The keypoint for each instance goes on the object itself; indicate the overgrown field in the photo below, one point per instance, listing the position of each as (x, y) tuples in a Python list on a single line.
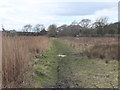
[(95, 47), (34, 62), (72, 71), (17, 55)]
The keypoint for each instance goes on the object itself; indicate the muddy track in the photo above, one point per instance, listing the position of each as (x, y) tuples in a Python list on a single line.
[(65, 75), (60, 82)]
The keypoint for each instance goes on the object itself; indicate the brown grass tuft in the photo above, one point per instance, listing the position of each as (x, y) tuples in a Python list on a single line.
[(17, 53), (95, 47)]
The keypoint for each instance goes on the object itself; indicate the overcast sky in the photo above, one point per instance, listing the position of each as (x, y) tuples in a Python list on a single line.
[(14, 14)]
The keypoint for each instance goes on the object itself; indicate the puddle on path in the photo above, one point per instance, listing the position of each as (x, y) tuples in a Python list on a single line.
[(71, 54), (62, 55)]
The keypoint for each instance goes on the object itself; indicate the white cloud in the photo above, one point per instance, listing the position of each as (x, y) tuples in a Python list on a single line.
[(111, 13), (16, 13), (23, 12)]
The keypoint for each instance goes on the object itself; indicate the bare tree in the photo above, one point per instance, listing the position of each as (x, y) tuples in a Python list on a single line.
[(27, 28), (100, 24), (39, 27), (85, 23)]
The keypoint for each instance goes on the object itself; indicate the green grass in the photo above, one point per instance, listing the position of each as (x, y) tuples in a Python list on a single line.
[(47, 65), (92, 73), (74, 71)]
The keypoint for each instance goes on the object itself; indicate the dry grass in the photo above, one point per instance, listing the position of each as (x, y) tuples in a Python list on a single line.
[(95, 47), (17, 54)]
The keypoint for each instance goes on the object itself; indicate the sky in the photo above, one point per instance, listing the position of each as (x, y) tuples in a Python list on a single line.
[(14, 14)]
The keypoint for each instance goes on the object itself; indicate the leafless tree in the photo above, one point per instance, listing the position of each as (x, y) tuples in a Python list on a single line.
[(100, 24), (38, 27), (85, 23), (27, 28)]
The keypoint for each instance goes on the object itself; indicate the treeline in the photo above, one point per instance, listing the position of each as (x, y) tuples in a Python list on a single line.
[(85, 28)]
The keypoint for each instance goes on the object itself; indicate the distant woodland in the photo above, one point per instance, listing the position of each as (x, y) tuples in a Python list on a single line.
[(84, 28)]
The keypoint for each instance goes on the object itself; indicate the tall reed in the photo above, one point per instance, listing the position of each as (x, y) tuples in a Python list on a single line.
[(17, 52)]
